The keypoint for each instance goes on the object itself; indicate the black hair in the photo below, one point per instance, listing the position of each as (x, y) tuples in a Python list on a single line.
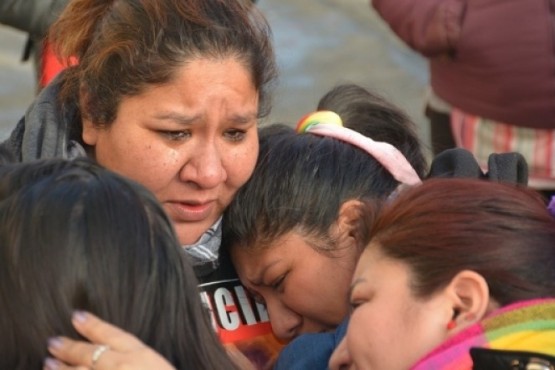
[(74, 236), (301, 180)]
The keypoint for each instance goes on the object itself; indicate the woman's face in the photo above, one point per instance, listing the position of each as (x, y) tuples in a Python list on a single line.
[(193, 141), (389, 327), (304, 291)]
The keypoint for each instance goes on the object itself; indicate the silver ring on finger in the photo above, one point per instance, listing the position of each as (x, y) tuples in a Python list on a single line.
[(97, 353)]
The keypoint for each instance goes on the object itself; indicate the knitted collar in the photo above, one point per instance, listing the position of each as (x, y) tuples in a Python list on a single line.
[(204, 253), (523, 326)]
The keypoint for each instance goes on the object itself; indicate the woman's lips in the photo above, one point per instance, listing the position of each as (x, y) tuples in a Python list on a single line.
[(189, 212)]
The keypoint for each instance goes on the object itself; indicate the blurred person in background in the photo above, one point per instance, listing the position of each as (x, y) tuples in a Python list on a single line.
[(35, 17), (492, 69)]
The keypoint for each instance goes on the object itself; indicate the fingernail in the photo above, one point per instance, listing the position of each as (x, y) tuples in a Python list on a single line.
[(79, 316), (54, 343), (51, 364)]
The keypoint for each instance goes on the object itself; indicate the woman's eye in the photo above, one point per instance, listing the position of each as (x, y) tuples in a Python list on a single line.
[(278, 283), (235, 135), (176, 135), (354, 305), (258, 298)]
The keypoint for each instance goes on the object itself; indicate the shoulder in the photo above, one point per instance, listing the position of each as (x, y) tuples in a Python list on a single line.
[(307, 351), (311, 350)]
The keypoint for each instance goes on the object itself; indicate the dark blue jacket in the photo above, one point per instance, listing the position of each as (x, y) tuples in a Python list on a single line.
[(311, 351)]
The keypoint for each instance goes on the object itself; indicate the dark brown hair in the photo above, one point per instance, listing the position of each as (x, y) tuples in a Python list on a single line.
[(301, 180), (500, 231), (123, 46), (75, 236)]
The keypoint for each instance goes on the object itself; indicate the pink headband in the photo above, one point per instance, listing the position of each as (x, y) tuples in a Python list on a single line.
[(328, 123)]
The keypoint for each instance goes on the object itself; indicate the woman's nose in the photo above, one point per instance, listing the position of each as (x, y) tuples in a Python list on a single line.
[(286, 324), (340, 358), (205, 167)]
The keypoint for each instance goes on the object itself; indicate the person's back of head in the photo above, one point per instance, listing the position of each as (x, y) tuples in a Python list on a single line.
[(372, 115), (444, 226), (301, 180), (75, 236)]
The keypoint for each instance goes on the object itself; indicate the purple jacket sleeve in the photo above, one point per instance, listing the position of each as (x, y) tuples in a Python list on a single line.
[(430, 27)]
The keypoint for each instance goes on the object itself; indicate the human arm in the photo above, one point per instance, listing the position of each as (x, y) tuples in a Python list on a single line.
[(125, 351), (32, 16), (430, 27)]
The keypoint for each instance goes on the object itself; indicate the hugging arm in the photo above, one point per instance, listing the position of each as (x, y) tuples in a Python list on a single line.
[(124, 351)]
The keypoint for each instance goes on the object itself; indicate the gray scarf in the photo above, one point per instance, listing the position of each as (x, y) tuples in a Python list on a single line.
[(203, 255)]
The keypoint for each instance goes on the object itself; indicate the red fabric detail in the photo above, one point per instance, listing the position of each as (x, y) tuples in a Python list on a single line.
[(50, 65)]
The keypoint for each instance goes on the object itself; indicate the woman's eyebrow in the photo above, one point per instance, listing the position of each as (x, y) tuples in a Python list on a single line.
[(259, 279), (243, 119), (179, 118), (183, 119)]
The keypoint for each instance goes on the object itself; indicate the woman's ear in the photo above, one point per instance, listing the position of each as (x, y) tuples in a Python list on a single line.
[(349, 220), (470, 299), (90, 131)]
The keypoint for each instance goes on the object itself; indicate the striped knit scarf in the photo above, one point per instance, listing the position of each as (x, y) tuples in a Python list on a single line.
[(204, 253), (524, 326)]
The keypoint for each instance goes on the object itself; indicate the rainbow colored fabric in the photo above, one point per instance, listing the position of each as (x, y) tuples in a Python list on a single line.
[(524, 326)]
